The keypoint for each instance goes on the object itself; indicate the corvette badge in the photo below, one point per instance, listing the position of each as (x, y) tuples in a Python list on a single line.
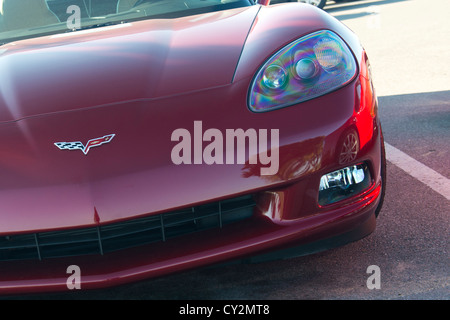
[(77, 145)]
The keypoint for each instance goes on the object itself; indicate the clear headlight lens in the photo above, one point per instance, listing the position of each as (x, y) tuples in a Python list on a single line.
[(274, 77), (305, 69)]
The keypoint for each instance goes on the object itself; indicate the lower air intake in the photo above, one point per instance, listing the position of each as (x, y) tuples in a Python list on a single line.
[(127, 234)]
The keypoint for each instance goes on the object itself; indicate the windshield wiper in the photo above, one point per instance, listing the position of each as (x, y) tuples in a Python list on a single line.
[(97, 25)]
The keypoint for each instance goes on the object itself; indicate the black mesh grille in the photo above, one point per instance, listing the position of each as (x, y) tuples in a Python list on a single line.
[(127, 234)]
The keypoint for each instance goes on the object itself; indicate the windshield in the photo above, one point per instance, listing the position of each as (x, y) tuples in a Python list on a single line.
[(22, 19)]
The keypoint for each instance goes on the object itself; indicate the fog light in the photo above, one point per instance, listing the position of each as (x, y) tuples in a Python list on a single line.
[(343, 183)]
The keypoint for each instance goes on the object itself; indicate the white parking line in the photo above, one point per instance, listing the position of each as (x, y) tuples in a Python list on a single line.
[(421, 172)]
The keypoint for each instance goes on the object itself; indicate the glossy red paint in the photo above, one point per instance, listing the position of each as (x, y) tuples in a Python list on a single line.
[(263, 2), (140, 82)]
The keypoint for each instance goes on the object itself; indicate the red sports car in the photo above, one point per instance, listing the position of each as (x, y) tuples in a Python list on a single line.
[(144, 137)]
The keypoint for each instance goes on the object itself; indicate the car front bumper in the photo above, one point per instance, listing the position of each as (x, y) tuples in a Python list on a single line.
[(286, 214)]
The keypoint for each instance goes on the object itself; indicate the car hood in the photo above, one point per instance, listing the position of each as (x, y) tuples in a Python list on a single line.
[(141, 82), (146, 59), (134, 80)]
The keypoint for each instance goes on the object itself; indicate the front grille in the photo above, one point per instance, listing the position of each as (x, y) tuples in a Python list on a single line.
[(127, 234)]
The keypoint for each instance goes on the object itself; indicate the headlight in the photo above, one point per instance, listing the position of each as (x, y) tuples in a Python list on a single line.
[(305, 69)]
